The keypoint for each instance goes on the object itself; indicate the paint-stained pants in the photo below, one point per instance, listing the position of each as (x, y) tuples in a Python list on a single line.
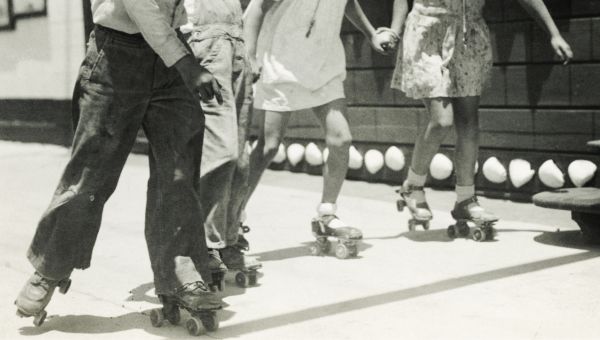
[(225, 159), (122, 86)]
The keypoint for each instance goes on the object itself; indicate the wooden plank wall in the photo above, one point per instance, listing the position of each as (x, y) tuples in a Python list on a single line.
[(535, 108)]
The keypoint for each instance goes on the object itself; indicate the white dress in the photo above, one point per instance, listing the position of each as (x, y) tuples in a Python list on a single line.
[(301, 55)]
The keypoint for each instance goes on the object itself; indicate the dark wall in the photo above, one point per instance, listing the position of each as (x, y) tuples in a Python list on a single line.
[(535, 108)]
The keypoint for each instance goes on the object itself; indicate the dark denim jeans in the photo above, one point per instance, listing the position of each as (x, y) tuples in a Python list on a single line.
[(123, 85), (225, 159)]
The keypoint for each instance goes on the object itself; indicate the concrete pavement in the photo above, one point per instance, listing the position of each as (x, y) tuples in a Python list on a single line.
[(531, 283)]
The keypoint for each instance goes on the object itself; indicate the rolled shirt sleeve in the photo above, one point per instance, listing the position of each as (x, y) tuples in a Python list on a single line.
[(156, 30)]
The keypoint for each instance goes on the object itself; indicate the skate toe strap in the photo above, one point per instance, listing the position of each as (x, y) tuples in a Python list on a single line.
[(348, 232)]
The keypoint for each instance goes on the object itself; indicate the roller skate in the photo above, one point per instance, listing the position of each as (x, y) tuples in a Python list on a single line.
[(326, 225), (198, 300), (36, 294), (243, 268), (217, 269), (470, 211), (413, 198)]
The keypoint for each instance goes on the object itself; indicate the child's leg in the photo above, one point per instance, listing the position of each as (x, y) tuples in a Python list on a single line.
[(338, 139), (272, 131), (467, 138), (429, 139), (467, 149), (427, 145)]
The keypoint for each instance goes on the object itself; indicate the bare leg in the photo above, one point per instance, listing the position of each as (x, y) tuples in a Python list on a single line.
[(272, 131), (431, 137), (467, 149), (467, 138), (338, 139)]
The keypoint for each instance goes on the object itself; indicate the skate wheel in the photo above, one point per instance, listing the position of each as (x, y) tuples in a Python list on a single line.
[(39, 319), (412, 224), (252, 279), (64, 286), (491, 233), (426, 225), (463, 229), (174, 316), (479, 235), (241, 280), (194, 326), (210, 322), (315, 251), (400, 204), (451, 231), (324, 244), (341, 251), (353, 251), (157, 317)]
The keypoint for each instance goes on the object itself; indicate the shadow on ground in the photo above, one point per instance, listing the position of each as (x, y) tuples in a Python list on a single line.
[(94, 324), (301, 251)]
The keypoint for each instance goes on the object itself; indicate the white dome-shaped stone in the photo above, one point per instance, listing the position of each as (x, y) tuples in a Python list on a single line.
[(355, 159), (494, 171), (520, 172), (394, 158), (550, 175), (441, 167), (280, 156), (581, 171), (374, 161), (295, 153), (313, 155)]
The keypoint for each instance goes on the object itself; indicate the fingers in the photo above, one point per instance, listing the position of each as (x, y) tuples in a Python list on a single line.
[(256, 71), (565, 53), (379, 48), (205, 94), (568, 53), (216, 88)]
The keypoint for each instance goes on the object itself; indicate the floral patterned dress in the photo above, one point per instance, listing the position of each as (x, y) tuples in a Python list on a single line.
[(446, 50)]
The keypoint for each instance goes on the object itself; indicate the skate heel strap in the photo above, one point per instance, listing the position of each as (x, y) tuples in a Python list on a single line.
[(409, 189)]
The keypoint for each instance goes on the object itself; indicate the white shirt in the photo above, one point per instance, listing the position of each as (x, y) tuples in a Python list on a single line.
[(156, 20)]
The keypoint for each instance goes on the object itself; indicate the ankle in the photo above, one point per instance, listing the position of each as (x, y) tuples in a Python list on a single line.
[(464, 193), (414, 180)]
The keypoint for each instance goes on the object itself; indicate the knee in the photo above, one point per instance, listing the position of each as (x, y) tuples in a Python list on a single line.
[(442, 123), (441, 126), (339, 140), (269, 146)]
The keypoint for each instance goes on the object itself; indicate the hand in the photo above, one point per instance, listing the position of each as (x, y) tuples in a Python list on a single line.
[(254, 69), (198, 79), (562, 49), (385, 41)]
